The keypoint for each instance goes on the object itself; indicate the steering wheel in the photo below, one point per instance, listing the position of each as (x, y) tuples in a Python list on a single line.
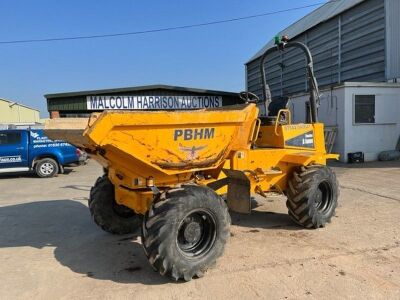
[(249, 97)]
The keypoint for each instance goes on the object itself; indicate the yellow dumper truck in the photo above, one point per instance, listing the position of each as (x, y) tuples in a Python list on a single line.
[(176, 173)]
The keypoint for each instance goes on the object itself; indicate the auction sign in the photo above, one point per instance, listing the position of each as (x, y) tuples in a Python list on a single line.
[(152, 102)]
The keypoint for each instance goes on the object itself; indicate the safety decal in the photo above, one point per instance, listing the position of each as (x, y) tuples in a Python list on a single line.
[(305, 140)]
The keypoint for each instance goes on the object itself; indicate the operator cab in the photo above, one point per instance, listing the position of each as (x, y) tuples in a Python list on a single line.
[(275, 129)]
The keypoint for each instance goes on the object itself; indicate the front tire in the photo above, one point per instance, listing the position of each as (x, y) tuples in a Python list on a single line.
[(185, 231), (107, 214), (312, 196), (46, 168)]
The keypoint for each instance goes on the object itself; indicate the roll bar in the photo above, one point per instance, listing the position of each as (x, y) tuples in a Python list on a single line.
[(281, 45)]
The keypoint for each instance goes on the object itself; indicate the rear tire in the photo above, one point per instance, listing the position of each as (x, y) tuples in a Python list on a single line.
[(107, 214), (185, 231), (312, 196), (46, 168)]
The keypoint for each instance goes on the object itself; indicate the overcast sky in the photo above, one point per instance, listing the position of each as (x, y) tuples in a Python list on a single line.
[(210, 57)]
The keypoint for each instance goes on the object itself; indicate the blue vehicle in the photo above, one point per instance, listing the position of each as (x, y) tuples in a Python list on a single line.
[(24, 150)]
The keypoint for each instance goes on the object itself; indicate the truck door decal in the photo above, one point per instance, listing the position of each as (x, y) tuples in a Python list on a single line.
[(10, 159)]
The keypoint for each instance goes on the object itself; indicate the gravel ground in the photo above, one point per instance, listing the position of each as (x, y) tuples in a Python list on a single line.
[(50, 248)]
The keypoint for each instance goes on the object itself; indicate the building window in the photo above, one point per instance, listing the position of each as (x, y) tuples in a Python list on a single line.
[(10, 138), (364, 109)]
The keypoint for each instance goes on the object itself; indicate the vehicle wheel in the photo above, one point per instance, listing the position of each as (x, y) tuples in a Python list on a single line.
[(106, 213), (185, 231), (312, 196), (46, 167)]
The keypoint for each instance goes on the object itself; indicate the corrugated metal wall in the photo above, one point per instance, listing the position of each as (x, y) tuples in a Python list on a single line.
[(348, 47), (393, 38)]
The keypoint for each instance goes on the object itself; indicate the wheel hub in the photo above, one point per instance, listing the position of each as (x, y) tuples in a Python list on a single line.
[(323, 197), (46, 168), (192, 232), (318, 197), (196, 233)]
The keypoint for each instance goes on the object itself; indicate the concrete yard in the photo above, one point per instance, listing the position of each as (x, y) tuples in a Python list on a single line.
[(51, 249)]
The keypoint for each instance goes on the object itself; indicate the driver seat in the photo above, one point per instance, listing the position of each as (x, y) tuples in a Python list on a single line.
[(274, 107)]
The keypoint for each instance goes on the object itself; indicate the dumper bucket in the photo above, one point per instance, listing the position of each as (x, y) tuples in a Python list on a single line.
[(171, 142)]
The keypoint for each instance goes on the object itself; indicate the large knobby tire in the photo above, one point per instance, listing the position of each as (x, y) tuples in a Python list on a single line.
[(107, 214), (46, 168), (185, 231), (312, 196)]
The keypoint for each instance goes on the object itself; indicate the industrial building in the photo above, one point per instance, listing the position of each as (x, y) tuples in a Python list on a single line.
[(356, 50), (151, 97), (13, 113)]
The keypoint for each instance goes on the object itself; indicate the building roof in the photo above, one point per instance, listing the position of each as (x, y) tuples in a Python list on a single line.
[(140, 88), (16, 103), (321, 14)]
